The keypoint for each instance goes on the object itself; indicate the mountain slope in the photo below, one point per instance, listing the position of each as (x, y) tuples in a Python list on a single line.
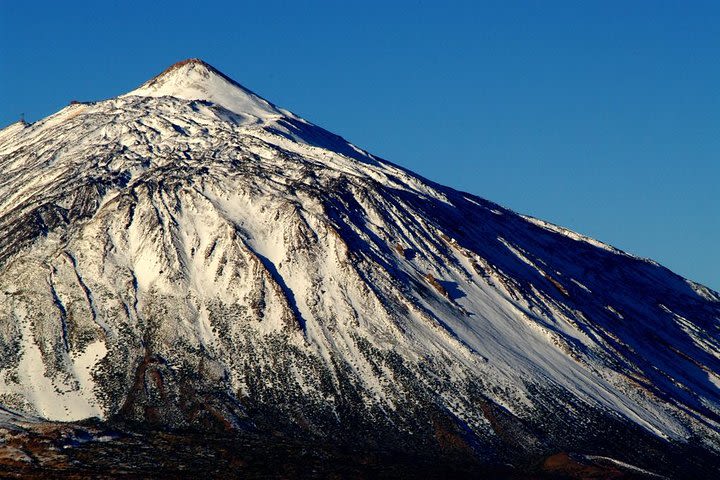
[(189, 255)]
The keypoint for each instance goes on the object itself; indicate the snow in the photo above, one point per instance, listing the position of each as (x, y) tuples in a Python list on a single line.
[(237, 231), (195, 80), (574, 235), (624, 465), (715, 379), (53, 399)]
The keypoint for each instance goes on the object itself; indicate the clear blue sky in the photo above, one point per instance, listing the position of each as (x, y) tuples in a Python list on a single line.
[(600, 116)]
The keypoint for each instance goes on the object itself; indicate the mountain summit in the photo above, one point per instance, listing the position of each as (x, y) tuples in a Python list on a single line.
[(193, 79), (190, 258)]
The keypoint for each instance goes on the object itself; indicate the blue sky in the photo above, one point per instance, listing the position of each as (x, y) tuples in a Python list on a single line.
[(600, 116)]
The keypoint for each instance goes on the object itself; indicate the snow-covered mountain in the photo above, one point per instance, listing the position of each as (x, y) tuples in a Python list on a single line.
[(188, 255)]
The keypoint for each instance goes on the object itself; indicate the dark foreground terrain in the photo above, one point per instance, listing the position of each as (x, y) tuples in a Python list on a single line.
[(55, 450)]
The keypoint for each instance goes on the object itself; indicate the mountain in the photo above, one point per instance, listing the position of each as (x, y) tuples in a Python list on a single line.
[(189, 258)]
